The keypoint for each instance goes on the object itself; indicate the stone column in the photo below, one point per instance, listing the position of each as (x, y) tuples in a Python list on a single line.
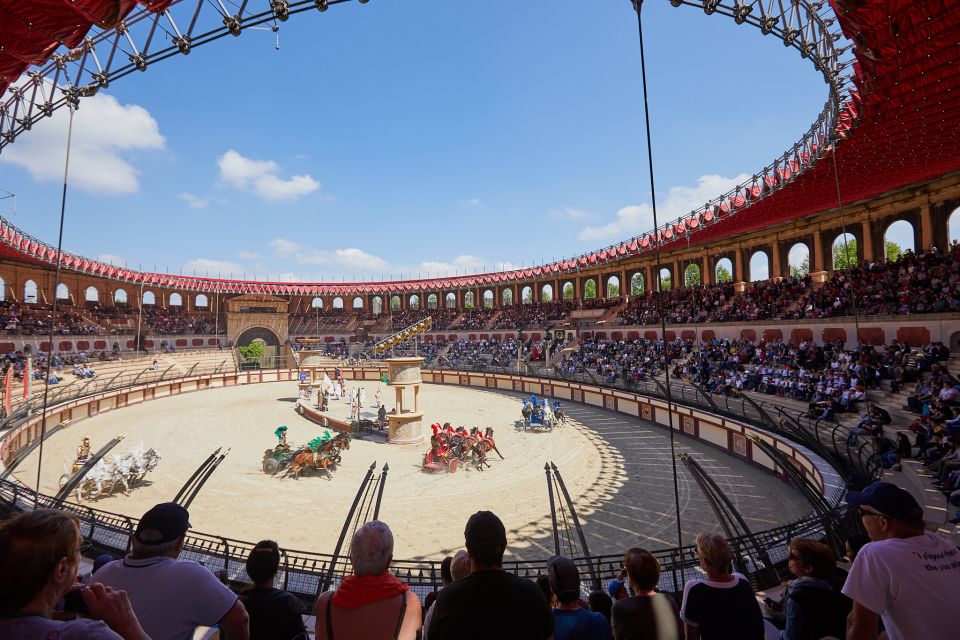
[(776, 266), (869, 253), (926, 229)]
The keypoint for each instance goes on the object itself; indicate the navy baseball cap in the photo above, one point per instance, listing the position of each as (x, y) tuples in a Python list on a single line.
[(888, 499), (163, 523)]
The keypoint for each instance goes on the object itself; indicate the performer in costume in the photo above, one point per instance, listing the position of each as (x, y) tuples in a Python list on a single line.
[(281, 434), (83, 451)]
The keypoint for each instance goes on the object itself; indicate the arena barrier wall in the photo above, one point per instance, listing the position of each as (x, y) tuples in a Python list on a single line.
[(303, 571)]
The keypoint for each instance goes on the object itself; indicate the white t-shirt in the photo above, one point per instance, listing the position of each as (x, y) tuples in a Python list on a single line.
[(171, 598), (912, 583), (40, 628)]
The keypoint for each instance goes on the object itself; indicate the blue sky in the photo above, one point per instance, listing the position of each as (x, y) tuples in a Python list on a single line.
[(434, 136)]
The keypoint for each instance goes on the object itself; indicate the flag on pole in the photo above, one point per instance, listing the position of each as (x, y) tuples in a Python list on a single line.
[(7, 384), (27, 375)]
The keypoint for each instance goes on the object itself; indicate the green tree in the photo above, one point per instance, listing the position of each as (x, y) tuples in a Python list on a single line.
[(844, 253), (637, 285), (527, 295), (546, 295), (892, 250), (691, 275), (723, 274), (802, 269), (590, 289), (613, 290), (568, 291), (666, 282), (251, 352)]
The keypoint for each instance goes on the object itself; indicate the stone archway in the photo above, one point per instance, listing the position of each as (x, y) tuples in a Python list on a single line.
[(252, 334)]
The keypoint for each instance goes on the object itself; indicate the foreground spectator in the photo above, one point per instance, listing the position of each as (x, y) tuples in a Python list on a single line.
[(172, 597), (723, 605), (274, 614), (905, 576), (490, 603), (372, 603), (814, 607), (39, 557), (648, 614), (570, 620)]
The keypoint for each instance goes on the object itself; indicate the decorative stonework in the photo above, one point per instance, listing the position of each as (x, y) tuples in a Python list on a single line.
[(405, 419)]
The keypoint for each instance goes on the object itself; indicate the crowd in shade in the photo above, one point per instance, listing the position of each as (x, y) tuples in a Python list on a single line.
[(473, 319), (535, 315), (899, 579), (174, 320), (439, 318), (36, 319)]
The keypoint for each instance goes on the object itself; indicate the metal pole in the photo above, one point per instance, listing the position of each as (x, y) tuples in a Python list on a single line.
[(328, 579), (638, 5), (553, 510), (53, 312), (576, 522), (383, 482)]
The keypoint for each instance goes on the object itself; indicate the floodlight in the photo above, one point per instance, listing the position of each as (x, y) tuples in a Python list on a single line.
[(322, 5)]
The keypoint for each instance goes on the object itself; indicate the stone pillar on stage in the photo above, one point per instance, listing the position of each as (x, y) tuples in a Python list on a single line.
[(404, 377)]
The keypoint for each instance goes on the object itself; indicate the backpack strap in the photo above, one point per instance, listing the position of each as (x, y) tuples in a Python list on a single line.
[(330, 618), (403, 611)]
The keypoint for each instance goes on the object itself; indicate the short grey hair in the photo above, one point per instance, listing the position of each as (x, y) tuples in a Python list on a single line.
[(460, 567), (141, 550), (371, 549)]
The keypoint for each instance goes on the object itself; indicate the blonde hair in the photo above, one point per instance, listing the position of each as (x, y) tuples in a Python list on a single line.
[(460, 566), (715, 551)]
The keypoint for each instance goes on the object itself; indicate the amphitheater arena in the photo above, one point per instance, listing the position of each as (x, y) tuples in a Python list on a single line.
[(169, 373)]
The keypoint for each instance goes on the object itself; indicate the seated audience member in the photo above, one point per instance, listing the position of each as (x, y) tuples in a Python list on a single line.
[(490, 603), (39, 557), (445, 580), (648, 614), (723, 604), (601, 602), (274, 614), (814, 607), (457, 568), (172, 597), (371, 603), (570, 620), (907, 577)]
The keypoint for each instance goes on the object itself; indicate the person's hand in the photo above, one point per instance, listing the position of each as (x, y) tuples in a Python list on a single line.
[(114, 608)]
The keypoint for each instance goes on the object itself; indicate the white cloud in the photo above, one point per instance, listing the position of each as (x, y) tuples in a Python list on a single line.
[(249, 255), (110, 258), (288, 276), (571, 213), (349, 258), (636, 219), (199, 202), (472, 202), (463, 264), (261, 177), (105, 133), (204, 266)]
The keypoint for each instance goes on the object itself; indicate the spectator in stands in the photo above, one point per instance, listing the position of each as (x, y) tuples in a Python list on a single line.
[(509, 606), (601, 602), (647, 614), (274, 614), (370, 603), (570, 620), (458, 568), (445, 580), (39, 558), (814, 606), (905, 576), (617, 589), (172, 597), (723, 604)]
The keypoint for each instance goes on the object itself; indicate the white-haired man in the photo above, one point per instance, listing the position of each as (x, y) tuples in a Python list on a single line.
[(371, 603)]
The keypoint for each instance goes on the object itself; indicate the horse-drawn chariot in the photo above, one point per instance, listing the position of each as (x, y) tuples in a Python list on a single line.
[(321, 453), (540, 415), (122, 472), (452, 448)]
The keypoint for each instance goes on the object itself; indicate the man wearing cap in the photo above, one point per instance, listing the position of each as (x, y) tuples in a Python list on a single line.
[(490, 603), (905, 576), (570, 620), (172, 597)]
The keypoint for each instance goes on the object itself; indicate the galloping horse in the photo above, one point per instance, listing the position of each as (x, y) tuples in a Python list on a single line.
[(484, 444), (325, 457)]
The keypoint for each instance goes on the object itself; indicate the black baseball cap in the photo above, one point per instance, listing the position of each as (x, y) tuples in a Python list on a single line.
[(485, 534), (163, 523), (888, 499), (564, 577)]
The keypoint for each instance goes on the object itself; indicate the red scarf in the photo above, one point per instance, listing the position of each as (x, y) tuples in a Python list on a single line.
[(356, 591)]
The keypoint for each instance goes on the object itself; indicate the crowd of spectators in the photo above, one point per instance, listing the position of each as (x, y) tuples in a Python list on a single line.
[(474, 319), (176, 320), (35, 319), (902, 580), (439, 318), (534, 315)]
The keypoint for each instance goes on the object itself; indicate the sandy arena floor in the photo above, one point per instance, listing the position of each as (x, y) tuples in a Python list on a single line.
[(616, 468)]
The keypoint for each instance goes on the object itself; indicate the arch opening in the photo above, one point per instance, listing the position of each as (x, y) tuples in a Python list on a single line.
[(149, 298), (506, 298), (546, 293), (63, 293), (798, 260), (488, 299), (358, 302), (176, 300), (613, 287), (692, 276), (759, 266), (898, 239), (845, 251), (450, 302), (526, 295), (432, 301), (201, 302), (91, 294)]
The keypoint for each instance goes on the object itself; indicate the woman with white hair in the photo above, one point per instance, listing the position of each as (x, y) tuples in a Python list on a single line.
[(372, 603)]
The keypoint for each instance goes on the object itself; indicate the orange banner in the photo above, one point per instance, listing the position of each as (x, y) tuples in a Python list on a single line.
[(7, 384)]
